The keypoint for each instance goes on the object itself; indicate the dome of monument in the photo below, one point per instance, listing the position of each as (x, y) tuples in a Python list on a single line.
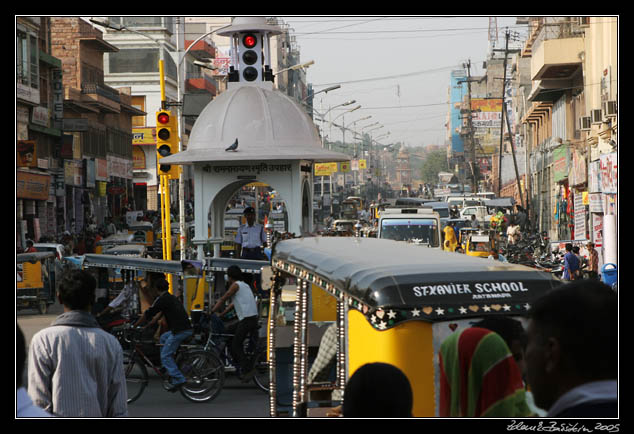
[(268, 126)]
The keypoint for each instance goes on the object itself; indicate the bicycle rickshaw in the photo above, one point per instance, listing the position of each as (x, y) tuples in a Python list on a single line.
[(35, 280), (390, 302)]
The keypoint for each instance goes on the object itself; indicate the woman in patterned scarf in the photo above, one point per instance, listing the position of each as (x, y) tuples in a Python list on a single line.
[(479, 377)]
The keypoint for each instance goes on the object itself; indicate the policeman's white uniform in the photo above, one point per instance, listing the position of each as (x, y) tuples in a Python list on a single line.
[(252, 238)]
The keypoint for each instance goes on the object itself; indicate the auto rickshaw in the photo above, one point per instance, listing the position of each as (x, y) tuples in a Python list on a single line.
[(479, 244), (344, 227), (349, 209), (35, 280), (390, 302), (143, 233), (117, 239)]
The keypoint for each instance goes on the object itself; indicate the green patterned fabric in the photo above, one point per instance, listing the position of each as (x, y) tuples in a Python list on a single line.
[(479, 377)]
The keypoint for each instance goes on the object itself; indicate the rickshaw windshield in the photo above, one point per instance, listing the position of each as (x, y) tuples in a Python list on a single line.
[(410, 229)]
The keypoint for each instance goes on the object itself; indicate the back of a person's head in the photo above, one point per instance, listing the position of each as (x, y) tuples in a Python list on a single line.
[(378, 390), (508, 328), (234, 272), (77, 290), (583, 316), (162, 285)]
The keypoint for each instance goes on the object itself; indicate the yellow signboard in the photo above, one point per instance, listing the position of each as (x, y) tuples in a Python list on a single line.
[(323, 169), (363, 164), (143, 136), (345, 166)]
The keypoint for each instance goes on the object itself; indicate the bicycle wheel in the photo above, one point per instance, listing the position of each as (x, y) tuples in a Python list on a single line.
[(136, 376), (261, 377), (204, 375)]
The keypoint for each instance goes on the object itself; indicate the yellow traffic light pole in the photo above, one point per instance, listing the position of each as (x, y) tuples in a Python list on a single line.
[(166, 215)]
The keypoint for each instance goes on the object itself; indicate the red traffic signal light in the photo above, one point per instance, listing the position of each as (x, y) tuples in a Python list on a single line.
[(163, 118), (249, 41)]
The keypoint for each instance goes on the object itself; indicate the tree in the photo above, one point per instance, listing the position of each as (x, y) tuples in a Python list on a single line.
[(435, 163)]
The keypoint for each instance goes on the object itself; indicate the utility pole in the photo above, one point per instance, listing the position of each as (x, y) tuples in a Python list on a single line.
[(506, 50), (470, 132), (472, 145)]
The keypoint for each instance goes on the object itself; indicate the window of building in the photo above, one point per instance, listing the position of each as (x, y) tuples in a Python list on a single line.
[(139, 60), (27, 59), (166, 23)]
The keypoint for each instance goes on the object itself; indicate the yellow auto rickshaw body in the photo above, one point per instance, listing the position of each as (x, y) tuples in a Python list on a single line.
[(35, 280), (479, 244), (391, 302), (143, 233)]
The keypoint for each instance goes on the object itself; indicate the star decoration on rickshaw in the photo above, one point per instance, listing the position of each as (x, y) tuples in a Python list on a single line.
[(415, 312), (463, 310), (440, 311)]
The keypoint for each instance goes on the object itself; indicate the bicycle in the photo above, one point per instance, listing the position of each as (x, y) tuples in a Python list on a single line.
[(203, 369), (254, 347)]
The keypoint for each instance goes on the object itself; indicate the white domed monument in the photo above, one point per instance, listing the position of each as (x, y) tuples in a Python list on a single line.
[(251, 133)]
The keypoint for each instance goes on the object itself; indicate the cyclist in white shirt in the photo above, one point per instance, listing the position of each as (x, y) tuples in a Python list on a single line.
[(243, 301)]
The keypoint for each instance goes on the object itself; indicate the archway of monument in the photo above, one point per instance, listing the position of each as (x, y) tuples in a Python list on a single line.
[(226, 212)]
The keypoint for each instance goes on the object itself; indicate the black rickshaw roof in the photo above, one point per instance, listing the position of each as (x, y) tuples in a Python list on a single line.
[(132, 263), (33, 256), (386, 278)]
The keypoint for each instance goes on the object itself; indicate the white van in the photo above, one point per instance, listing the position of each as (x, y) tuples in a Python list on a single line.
[(415, 225)]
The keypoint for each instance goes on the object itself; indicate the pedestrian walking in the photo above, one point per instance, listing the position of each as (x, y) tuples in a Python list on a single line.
[(571, 264), (75, 367), (593, 262)]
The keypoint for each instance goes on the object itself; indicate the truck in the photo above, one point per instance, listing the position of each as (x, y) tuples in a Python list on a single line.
[(414, 225)]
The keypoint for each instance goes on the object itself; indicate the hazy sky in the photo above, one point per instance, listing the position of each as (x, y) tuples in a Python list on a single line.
[(396, 67)]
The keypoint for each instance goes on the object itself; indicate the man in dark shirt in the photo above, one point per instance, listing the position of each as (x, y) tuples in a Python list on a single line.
[(571, 263), (179, 327)]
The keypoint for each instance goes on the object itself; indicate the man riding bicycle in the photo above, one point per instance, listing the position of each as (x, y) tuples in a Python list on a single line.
[(179, 329), (243, 301)]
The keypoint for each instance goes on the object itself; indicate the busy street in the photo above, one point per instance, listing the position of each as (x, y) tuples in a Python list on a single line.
[(262, 217)]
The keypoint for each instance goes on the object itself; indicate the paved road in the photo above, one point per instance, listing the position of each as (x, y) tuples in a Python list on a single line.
[(236, 400)]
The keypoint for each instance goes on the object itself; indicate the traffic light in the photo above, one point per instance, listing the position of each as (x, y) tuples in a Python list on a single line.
[(250, 55), (166, 142)]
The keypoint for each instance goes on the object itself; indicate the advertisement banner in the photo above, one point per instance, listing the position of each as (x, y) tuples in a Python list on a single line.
[(345, 166), (609, 173), (560, 163), (363, 164), (32, 186), (26, 153), (143, 136), (597, 230), (594, 177), (323, 169), (580, 217)]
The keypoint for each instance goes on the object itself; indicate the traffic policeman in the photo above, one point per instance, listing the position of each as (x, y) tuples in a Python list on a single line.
[(251, 237)]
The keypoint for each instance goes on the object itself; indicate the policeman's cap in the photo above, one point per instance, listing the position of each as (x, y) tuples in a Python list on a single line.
[(249, 210)]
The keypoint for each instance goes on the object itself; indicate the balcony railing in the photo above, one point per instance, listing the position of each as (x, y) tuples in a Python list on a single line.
[(102, 90)]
